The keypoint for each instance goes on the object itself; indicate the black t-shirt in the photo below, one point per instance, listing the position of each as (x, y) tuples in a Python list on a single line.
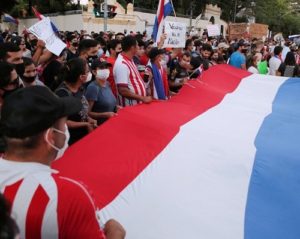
[(177, 72), (82, 116), (50, 74), (71, 55)]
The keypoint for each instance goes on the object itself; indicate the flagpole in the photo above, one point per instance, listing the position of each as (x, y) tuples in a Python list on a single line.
[(173, 9)]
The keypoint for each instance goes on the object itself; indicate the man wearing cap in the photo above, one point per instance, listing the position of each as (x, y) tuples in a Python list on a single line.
[(238, 59), (45, 204)]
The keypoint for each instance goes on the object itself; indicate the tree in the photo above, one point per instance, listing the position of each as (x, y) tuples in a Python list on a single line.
[(7, 5), (280, 15)]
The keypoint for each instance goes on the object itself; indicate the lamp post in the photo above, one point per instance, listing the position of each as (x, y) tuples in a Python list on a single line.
[(105, 15)]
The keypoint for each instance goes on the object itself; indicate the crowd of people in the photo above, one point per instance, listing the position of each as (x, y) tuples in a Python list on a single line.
[(48, 102)]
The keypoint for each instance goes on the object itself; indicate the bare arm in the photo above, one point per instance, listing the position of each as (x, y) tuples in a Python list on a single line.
[(125, 92)]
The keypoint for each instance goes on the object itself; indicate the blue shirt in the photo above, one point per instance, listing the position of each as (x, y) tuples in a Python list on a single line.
[(104, 100), (237, 59)]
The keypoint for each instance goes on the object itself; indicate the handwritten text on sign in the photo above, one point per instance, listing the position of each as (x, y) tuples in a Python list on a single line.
[(176, 34), (43, 30)]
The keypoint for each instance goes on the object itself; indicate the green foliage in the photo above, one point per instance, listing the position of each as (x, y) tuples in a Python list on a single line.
[(7, 5), (280, 15)]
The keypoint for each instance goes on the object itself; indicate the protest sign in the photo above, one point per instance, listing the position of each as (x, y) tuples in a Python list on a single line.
[(176, 34), (213, 30), (43, 30)]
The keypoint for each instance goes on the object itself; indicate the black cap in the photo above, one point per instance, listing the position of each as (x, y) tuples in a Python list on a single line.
[(100, 64), (243, 43), (31, 110), (154, 52)]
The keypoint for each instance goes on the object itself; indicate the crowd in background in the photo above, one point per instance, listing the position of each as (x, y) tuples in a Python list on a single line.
[(108, 71)]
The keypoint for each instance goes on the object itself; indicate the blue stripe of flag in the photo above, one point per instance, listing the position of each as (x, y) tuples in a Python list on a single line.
[(167, 11), (273, 204)]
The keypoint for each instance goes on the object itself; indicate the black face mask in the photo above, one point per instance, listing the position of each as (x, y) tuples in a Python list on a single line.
[(75, 44), (90, 59), (244, 51), (20, 68), (28, 79)]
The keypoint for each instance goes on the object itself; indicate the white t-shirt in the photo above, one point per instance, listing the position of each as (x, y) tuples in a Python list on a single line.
[(274, 64), (253, 70)]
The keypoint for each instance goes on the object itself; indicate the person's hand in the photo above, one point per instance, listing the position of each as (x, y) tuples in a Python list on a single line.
[(119, 107), (183, 81), (110, 114), (114, 230), (147, 99), (40, 44)]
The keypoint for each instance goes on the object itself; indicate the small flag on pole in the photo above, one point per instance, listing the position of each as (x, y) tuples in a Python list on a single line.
[(40, 17), (164, 9), (9, 18)]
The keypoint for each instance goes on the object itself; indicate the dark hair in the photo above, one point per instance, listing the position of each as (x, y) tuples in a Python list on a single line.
[(128, 42), (120, 34), (206, 47), (187, 54), (86, 44), (73, 69), (5, 69), (8, 227), (27, 61), (7, 47), (113, 44), (141, 43), (277, 50), (290, 59), (188, 43)]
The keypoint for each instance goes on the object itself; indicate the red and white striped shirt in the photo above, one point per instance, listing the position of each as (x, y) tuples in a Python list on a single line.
[(47, 205), (126, 74)]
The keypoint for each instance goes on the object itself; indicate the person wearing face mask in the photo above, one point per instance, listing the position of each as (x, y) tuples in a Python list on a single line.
[(29, 77), (114, 48), (9, 81), (12, 54), (74, 75), (102, 102), (88, 49), (238, 58), (45, 204), (158, 84), (72, 49)]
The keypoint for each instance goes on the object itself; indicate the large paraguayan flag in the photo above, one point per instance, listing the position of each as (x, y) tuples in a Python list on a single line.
[(219, 160), (164, 9)]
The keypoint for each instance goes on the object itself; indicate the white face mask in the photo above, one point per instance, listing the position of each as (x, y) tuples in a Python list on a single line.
[(60, 151), (89, 77), (103, 74)]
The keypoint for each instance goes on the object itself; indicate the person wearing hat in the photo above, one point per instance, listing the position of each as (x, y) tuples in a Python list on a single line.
[(102, 102), (159, 86), (45, 204), (238, 58)]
